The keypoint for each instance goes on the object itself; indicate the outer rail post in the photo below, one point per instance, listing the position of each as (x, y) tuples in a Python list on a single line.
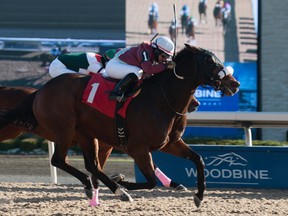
[(53, 170), (248, 136)]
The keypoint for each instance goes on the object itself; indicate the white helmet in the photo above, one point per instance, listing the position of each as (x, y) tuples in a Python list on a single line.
[(165, 44)]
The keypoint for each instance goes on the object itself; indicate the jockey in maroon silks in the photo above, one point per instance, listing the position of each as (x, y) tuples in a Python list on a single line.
[(129, 64)]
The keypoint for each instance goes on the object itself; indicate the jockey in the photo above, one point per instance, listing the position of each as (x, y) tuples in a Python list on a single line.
[(129, 64), (154, 9), (203, 2), (85, 63), (219, 4), (185, 11), (193, 21), (227, 7)]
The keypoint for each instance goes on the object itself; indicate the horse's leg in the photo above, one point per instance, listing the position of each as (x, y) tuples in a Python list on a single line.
[(146, 166), (59, 160), (166, 181), (180, 149), (103, 154), (90, 149)]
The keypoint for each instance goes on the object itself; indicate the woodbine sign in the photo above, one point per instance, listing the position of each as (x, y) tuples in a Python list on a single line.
[(228, 167)]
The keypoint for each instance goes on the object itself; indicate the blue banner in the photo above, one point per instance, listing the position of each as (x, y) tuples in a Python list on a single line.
[(244, 100), (228, 167)]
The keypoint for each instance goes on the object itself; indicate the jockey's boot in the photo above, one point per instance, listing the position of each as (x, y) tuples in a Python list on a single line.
[(122, 86)]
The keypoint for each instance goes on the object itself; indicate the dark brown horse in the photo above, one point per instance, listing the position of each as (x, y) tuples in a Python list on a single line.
[(217, 13), (152, 22), (190, 31), (202, 7), (11, 96), (173, 31), (155, 118)]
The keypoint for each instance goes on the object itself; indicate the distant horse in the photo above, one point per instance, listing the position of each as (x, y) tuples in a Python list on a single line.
[(226, 16), (190, 31), (202, 7), (217, 13), (173, 31), (152, 22), (57, 107), (184, 22)]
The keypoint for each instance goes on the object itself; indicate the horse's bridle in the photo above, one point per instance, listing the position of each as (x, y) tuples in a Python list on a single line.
[(213, 80)]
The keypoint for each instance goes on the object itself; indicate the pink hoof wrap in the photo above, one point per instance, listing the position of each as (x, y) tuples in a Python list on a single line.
[(162, 177), (94, 201)]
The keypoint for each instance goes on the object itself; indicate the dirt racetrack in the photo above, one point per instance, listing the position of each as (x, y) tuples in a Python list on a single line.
[(25, 190)]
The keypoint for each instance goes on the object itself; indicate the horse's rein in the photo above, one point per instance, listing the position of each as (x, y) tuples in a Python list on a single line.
[(169, 105)]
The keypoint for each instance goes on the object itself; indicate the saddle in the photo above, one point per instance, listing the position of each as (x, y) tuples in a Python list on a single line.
[(96, 95)]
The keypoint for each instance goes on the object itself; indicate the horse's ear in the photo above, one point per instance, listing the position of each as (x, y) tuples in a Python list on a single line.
[(192, 48)]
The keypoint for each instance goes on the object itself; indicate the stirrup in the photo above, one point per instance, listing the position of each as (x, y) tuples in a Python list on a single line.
[(119, 98)]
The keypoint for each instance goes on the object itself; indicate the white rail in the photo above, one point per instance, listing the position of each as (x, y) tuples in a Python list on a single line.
[(245, 120)]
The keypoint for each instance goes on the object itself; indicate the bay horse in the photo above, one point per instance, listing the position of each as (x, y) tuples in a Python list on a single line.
[(173, 31), (152, 22), (217, 13), (202, 7), (226, 16), (190, 31), (184, 22), (155, 118), (11, 96)]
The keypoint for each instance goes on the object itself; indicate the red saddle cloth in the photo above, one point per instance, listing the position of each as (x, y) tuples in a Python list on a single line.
[(96, 95)]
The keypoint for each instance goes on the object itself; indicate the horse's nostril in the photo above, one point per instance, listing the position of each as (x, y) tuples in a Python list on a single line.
[(235, 84)]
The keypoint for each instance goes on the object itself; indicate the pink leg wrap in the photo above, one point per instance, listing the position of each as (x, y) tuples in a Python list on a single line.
[(162, 177), (94, 201)]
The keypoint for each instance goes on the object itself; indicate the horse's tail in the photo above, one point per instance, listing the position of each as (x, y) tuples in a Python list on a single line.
[(22, 115)]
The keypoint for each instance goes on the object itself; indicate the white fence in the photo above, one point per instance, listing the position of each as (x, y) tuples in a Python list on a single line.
[(245, 120)]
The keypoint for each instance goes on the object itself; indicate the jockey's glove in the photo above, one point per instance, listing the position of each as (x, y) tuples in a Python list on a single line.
[(170, 65)]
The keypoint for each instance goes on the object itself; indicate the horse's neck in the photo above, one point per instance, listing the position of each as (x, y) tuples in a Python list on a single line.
[(178, 92)]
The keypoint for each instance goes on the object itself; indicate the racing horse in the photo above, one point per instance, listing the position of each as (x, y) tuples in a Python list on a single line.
[(226, 17), (152, 22), (190, 31), (173, 30), (11, 96), (57, 107), (202, 11), (217, 13)]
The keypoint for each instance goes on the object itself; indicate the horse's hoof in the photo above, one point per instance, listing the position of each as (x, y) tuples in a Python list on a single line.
[(124, 196), (197, 201), (117, 177), (180, 187), (89, 193)]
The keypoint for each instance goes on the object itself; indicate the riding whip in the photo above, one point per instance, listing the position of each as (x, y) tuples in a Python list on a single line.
[(175, 18), (154, 37)]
